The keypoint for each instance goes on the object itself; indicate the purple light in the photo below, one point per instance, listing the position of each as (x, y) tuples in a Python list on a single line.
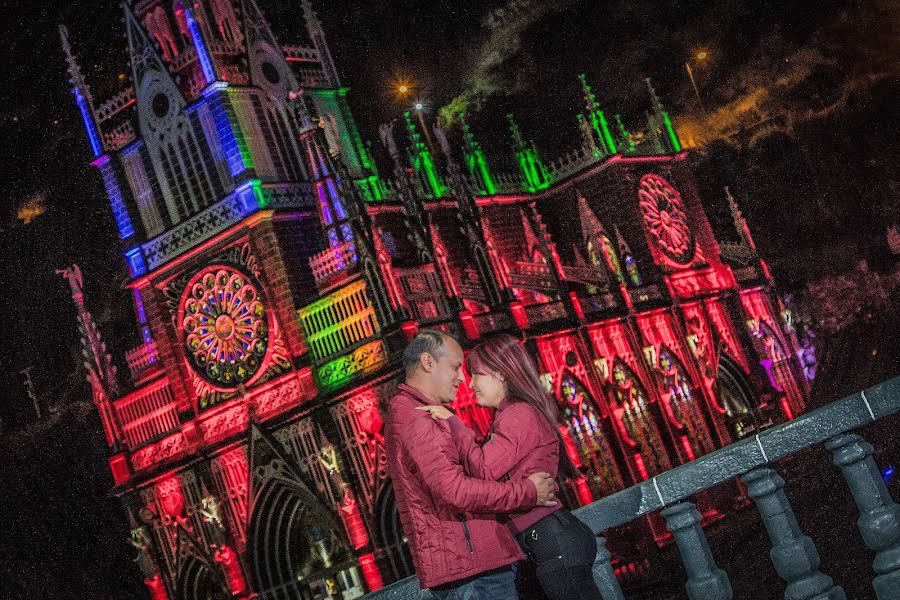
[(93, 135), (209, 73), (136, 264)]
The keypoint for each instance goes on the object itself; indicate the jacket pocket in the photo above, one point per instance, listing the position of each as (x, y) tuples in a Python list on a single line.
[(465, 525)]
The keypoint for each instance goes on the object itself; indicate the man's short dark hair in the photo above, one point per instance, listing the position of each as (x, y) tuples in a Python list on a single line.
[(425, 341)]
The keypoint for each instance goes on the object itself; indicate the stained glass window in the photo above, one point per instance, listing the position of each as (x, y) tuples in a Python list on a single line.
[(590, 441), (683, 405), (631, 398), (634, 276), (225, 326), (665, 219)]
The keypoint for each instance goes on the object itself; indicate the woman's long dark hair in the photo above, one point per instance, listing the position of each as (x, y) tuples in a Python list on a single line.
[(505, 355)]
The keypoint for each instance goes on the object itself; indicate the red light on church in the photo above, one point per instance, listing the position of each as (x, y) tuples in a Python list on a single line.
[(686, 444), (469, 324), (583, 490), (118, 464), (409, 329), (576, 302), (786, 407), (641, 467), (370, 572), (518, 314), (156, 588)]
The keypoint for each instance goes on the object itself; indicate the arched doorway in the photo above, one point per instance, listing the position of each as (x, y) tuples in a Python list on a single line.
[(199, 582), (777, 363), (734, 395), (637, 426), (389, 534), (585, 426), (295, 549), (689, 427)]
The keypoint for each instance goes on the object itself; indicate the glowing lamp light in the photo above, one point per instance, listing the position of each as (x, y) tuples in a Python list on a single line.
[(419, 106), (702, 55), (650, 355), (692, 341), (602, 366), (887, 473), (547, 382), (402, 88)]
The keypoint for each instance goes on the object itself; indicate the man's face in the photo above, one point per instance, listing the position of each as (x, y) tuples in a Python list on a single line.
[(445, 373)]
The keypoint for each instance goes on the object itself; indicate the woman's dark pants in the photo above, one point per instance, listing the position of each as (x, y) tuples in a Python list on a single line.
[(563, 550)]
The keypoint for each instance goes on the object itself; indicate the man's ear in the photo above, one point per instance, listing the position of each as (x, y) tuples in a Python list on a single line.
[(426, 361)]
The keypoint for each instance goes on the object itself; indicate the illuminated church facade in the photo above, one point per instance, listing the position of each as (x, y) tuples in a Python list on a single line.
[(276, 275)]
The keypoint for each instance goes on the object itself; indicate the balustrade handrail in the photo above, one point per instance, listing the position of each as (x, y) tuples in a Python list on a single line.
[(749, 456), (759, 450)]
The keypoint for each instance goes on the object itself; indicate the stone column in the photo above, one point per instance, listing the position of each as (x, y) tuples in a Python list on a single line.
[(793, 553), (879, 515), (706, 581), (604, 576)]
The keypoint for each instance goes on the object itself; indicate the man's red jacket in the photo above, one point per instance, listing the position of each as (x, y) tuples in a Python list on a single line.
[(448, 518)]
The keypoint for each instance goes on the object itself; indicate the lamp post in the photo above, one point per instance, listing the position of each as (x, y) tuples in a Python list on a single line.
[(687, 66), (419, 106)]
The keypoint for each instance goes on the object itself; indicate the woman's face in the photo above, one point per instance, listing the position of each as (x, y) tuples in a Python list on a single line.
[(489, 388)]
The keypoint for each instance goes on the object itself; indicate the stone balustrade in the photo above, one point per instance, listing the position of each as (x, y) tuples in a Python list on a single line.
[(332, 261), (338, 322), (793, 553), (141, 358), (147, 413)]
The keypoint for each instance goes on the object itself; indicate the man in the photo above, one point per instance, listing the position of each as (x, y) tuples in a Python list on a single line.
[(458, 548)]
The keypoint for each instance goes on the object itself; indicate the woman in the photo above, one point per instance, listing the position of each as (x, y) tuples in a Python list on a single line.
[(524, 439)]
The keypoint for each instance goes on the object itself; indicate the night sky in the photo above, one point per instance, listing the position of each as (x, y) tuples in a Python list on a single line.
[(821, 77)]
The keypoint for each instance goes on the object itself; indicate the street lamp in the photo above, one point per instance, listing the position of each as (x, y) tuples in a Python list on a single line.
[(420, 109), (687, 66)]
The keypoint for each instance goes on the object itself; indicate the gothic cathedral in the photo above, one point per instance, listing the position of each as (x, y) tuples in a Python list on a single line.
[(276, 275)]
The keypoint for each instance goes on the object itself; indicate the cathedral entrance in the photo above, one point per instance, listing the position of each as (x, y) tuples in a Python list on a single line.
[(199, 582), (389, 533), (295, 550), (733, 392)]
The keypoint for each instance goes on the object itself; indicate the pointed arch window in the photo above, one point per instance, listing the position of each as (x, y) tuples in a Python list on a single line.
[(778, 368), (601, 253), (585, 426), (682, 407), (636, 423)]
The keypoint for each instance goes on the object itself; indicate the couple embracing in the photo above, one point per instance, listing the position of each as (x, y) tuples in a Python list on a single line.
[(472, 510)]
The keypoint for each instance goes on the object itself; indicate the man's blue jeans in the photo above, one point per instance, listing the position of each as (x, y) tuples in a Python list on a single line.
[(496, 585)]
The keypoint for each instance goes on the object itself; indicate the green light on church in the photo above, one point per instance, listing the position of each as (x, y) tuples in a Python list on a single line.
[(423, 163), (670, 131)]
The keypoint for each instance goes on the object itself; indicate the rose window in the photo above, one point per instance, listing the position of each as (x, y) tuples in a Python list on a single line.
[(664, 218), (224, 325)]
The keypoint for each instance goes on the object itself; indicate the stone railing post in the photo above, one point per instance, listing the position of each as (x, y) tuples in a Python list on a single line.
[(706, 581), (604, 576), (793, 553), (879, 515)]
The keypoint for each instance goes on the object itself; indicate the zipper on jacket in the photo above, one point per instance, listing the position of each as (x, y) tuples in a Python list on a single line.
[(465, 525)]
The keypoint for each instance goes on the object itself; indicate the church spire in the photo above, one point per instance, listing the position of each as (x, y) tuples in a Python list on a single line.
[(317, 35), (82, 94), (534, 174), (605, 143), (660, 124), (101, 373), (739, 222), (477, 164), (268, 65), (423, 162), (144, 59), (203, 55)]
